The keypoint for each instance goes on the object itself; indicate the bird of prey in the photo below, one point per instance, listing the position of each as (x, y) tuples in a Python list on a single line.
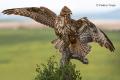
[(73, 36)]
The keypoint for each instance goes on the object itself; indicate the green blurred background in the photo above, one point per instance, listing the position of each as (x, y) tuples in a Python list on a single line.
[(22, 49)]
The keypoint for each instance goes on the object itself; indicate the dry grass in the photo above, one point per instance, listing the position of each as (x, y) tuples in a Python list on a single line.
[(107, 25)]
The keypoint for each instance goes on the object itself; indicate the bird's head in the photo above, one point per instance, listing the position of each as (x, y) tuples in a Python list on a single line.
[(65, 11)]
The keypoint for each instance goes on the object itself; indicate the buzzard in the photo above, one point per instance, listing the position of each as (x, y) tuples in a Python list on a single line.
[(73, 36)]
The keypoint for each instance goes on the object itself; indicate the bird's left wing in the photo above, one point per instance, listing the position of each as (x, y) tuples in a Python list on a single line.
[(42, 15), (90, 33)]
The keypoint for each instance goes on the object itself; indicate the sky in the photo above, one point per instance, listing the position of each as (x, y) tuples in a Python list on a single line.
[(83, 6), (88, 8)]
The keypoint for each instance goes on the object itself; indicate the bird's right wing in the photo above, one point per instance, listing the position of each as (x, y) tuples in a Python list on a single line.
[(42, 15)]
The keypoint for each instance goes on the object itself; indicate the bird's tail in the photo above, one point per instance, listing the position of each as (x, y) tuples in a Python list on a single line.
[(58, 44)]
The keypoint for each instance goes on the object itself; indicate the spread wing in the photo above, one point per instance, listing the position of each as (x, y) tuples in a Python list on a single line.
[(90, 33), (42, 14)]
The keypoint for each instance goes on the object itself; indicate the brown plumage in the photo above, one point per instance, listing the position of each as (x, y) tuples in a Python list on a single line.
[(93, 34), (42, 14), (73, 35)]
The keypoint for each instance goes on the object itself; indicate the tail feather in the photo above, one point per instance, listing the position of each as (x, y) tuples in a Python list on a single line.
[(58, 44)]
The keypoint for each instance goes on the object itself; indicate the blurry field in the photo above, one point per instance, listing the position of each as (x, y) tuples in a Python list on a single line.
[(21, 50)]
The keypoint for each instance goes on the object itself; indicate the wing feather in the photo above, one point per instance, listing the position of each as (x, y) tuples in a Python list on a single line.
[(90, 33), (42, 15)]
